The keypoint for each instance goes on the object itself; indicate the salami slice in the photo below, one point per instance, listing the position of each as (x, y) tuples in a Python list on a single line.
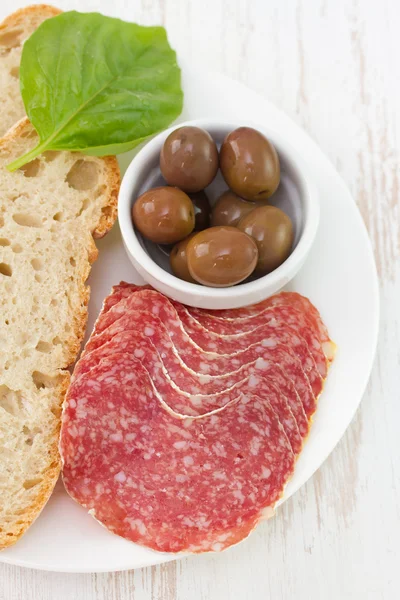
[(119, 292), (290, 299), (280, 323), (275, 329), (193, 381), (190, 403), (284, 313), (292, 316), (213, 363), (284, 299), (284, 368), (170, 484)]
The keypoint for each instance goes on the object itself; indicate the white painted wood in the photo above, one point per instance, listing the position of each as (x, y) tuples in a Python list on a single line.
[(333, 67)]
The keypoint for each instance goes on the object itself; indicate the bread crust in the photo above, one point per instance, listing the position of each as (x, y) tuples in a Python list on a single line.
[(38, 12), (109, 214)]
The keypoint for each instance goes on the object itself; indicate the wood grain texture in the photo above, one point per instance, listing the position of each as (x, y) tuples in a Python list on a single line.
[(333, 67)]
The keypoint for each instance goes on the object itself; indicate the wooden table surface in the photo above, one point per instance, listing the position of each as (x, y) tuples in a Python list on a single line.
[(333, 66)]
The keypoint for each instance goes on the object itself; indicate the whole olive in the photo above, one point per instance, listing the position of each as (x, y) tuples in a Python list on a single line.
[(164, 215), (178, 260), (201, 210), (229, 209), (189, 159), (221, 256), (272, 230), (250, 164)]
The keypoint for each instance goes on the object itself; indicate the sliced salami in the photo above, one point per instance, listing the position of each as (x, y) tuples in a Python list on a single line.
[(283, 313), (290, 299), (170, 484), (276, 328), (212, 363), (277, 321), (119, 292), (191, 403), (193, 381), (276, 363), (284, 299)]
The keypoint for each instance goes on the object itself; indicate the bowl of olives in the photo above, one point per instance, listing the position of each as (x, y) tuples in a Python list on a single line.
[(218, 215)]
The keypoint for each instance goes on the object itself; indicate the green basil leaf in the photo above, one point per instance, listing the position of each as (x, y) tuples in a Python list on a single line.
[(97, 84)]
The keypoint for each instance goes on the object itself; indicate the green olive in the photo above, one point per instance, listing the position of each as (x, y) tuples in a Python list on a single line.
[(189, 159), (229, 209), (201, 210), (221, 256), (164, 215), (178, 260), (250, 164), (272, 231)]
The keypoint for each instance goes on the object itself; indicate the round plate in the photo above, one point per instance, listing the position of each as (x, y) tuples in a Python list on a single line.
[(339, 277)]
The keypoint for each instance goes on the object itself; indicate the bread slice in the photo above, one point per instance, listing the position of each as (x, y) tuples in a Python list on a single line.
[(14, 30), (49, 213), (50, 210)]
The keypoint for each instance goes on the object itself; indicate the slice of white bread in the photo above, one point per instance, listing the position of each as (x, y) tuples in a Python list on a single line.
[(50, 210), (14, 30)]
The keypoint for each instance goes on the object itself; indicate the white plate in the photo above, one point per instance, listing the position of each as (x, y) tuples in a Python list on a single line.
[(340, 279)]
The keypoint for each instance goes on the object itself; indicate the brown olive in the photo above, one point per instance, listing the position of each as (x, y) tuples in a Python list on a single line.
[(164, 215), (201, 210), (221, 256), (250, 164), (178, 260), (229, 209), (189, 159), (272, 230)]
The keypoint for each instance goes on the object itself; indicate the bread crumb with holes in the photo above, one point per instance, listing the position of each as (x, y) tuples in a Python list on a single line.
[(52, 209)]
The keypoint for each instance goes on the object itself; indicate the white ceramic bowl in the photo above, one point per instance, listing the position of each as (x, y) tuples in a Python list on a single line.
[(296, 195)]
